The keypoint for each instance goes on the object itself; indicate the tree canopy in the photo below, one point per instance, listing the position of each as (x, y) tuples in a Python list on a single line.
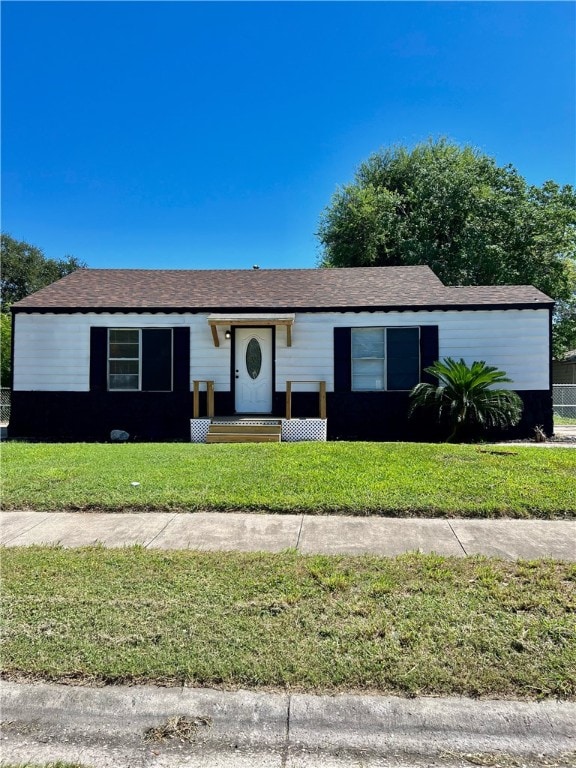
[(26, 269), (454, 209), (5, 352)]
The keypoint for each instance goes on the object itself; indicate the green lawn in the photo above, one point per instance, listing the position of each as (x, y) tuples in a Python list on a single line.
[(416, 624), (351, 478), (57, 764)]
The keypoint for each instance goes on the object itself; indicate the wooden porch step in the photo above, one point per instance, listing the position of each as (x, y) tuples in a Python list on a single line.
[(246, 429), (222, 432), (242, 437)]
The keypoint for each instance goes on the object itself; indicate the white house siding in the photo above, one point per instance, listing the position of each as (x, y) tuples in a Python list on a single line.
[(206, 360), (515, 341), (52, 351)]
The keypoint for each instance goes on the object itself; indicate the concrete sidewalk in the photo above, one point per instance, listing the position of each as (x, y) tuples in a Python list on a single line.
[(106, 727), (308, 534)]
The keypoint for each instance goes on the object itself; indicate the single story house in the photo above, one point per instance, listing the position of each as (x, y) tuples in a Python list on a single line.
[(149, 351)]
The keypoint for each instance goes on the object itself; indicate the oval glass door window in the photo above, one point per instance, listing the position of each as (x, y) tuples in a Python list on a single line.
[(253, 358)]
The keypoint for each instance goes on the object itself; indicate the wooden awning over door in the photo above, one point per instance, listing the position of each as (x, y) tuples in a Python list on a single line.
[(258, 319)]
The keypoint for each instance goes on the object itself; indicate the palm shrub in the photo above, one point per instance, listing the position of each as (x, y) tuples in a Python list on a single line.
[(463, 397)]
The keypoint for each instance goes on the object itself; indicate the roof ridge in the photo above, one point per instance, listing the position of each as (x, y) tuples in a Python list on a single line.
[(250, 270)]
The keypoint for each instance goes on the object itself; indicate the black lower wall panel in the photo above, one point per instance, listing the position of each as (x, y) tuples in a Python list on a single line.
[(157, 416), (90, 416), (383, 416), (376, 416), (223, 404), (538, 412)]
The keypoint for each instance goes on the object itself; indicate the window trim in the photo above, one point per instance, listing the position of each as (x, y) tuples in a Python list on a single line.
[(384, 328)]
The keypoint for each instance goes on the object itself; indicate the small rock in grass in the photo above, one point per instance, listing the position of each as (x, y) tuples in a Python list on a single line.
[(119, 436)]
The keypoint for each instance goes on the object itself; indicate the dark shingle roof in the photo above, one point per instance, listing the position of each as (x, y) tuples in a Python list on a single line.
[(266, 289)]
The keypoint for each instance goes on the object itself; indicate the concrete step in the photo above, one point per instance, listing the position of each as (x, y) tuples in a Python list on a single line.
[(242, 437)]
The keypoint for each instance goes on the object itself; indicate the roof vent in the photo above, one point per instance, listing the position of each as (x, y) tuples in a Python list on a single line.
[(255, 266)]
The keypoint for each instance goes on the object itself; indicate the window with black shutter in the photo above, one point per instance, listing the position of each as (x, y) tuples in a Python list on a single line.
[(140, 359), (383, 358)]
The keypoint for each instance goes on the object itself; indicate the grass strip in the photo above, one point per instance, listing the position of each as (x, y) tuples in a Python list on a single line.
[(415, 624), (350, 478), (568, 421), (57, 764)]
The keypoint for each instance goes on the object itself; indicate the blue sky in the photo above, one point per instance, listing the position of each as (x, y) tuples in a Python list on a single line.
[(212, 135)]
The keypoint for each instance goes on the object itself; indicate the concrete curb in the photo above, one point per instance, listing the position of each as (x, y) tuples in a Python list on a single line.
[(108, 724)]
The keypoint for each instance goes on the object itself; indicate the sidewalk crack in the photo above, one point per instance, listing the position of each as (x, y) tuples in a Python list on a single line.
[(286, 747), (21, 532), (174, 516), (299, 531), (456, 537)]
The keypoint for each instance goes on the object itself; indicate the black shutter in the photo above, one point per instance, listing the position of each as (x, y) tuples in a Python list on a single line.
[(429, 351), (157, 359), (342, 360), (402, 358), (182, 359), (98, 359)]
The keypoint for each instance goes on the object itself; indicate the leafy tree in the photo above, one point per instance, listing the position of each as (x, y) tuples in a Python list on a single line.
[(463, 400), (453, 208), (564, 321), (564, 328), (26, 269), (5, 348)]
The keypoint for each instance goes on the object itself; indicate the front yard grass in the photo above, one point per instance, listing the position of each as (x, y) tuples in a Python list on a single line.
[(350, 478), (415, 624)]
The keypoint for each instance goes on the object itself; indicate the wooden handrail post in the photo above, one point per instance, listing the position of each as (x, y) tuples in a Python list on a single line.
[(210, 398), (321, 396), (322, 399), (196, 410), (288, 399)]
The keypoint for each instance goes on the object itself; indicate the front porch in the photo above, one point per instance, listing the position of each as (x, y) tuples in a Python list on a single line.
[(255, 428)]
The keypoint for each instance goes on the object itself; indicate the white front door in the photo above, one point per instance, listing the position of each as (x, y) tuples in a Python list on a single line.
[(253, 370)]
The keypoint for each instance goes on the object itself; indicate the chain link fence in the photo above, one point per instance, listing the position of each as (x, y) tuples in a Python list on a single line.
[(564, 400), (5, 404)]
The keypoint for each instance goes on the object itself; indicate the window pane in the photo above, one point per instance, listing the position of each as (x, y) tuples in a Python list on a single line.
[(368, 359), (123, 381), (403, 362), (253, 358), (123, 350), (367, 374), (368, 342), (123, 358), (124, 366), (124, 336)]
